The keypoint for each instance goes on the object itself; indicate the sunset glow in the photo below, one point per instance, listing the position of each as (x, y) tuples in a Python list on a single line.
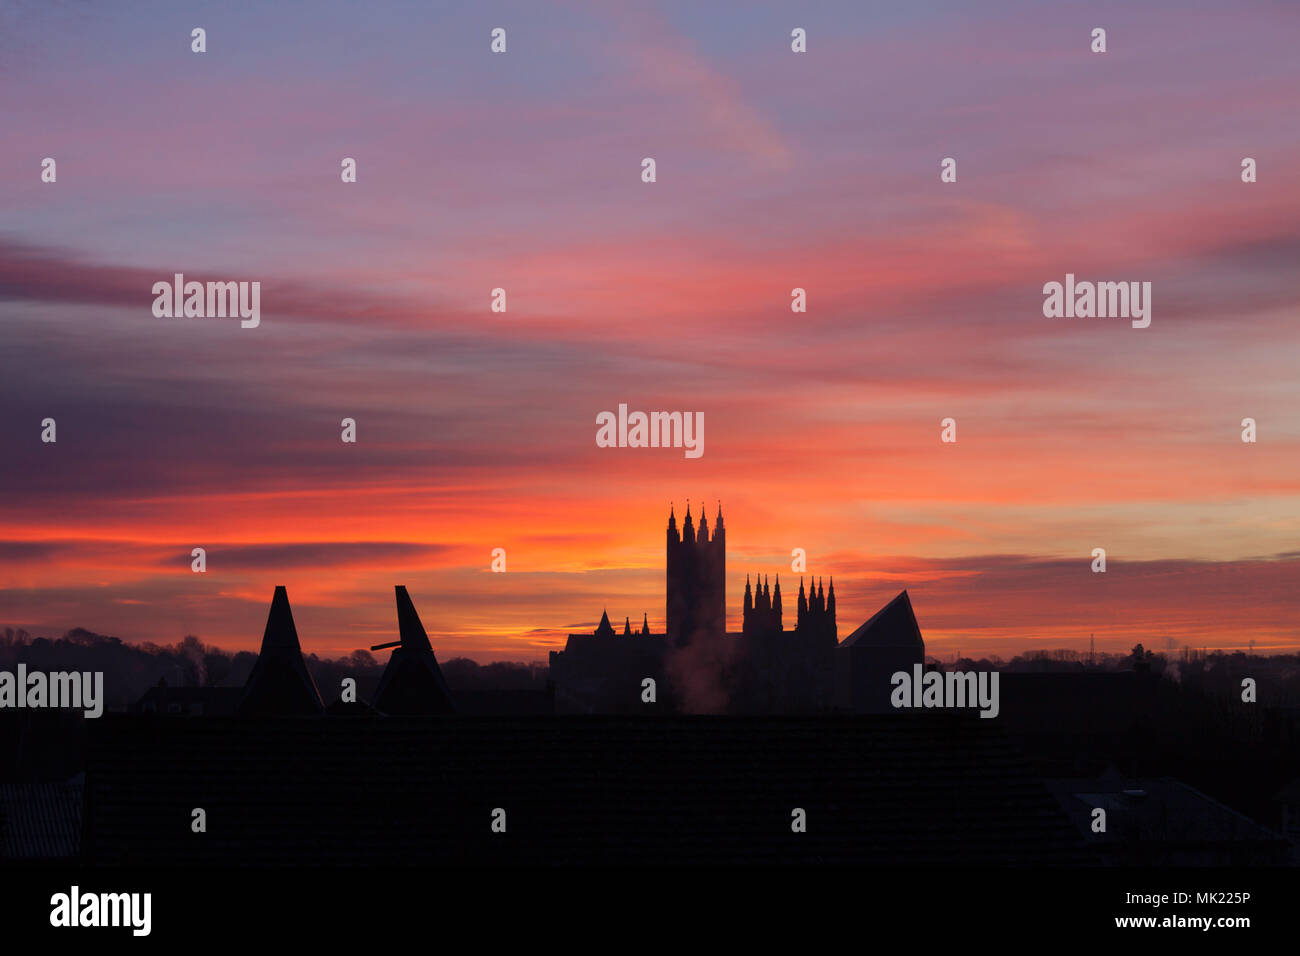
[(476, 429)]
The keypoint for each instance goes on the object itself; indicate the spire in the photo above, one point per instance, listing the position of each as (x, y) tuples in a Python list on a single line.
[(604, 628), (830, 598), (702, 536), (717, 524), (672, 518), (627, 627), (749, 599), (776, 596), (802, 605), (645, 624), (821, 596), (688, 526)]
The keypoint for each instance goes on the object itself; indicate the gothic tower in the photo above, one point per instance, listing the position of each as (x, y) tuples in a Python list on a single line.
[(697, 573)]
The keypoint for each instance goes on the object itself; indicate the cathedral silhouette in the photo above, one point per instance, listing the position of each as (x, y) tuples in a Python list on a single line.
[(697, 665)]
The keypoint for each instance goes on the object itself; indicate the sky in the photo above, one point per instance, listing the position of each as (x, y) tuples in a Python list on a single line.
[(775, 170)]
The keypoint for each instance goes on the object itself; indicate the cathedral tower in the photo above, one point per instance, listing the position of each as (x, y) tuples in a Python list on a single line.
[(697, 573)]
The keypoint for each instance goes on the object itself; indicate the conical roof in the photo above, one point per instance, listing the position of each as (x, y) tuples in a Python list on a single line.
[(412, 682), (409, 628), (280, 683), (894, 625)]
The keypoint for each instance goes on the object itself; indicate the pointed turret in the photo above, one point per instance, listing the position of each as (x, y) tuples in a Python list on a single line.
[(719, 535), (604, 628), (776, 597), (280, 684), (702, 535), (645, 625), (627, 627), (830, 598), (412, 683), (802, 605), (672, 521), (688, 526)]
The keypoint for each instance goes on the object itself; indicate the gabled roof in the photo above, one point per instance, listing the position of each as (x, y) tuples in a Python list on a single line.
[(894, 625), (280, 683), (412, 682)]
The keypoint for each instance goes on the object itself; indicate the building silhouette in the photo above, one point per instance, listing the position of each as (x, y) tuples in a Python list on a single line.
[(189, 701), (412, 682), (698, 665), (280, 684), (697, 579), (412, 788), (888, 642)]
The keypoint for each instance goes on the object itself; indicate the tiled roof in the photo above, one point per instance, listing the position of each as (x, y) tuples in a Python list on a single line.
[(40, 820), (1151, 821), (905, 789)]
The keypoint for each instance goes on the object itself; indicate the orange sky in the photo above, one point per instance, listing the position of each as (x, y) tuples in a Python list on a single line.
[(476, 430)]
